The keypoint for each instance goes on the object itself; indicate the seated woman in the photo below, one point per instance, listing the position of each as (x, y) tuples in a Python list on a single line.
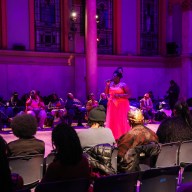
[(36, 107), (69, 162), (8, 182), (24, 127), (56, 107), (91, 103), (178, 127)]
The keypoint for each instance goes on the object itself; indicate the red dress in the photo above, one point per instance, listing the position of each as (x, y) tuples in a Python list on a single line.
[(117, 111)]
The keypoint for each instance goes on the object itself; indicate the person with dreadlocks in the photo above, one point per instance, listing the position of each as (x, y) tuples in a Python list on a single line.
[(178, 127)]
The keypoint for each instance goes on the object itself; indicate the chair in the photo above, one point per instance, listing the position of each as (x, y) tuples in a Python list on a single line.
[(168, 155), (159, 179), (185, 155), (186, 174), (28, 167), (114, 158), (23, 190), (49, 159), (75, 185), (117, 183)]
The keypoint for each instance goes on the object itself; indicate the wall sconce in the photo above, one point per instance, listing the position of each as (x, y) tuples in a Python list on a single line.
[(73, 18), (97, 18)]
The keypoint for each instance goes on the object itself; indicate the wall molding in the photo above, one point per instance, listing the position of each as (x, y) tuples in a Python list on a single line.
[(66, 59)]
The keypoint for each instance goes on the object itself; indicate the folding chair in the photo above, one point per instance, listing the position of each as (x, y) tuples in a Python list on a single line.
[(168, 155), (159, 179), (75, 185), (117, 183), (185, 155), (49, 159), (28, 167), (114, 158), (186, 174)]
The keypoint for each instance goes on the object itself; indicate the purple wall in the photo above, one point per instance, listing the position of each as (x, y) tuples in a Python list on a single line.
[(18, 23)]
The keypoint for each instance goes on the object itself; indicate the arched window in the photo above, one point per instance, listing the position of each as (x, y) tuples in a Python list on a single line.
[(104, 26), (47, 25), (149, 27)]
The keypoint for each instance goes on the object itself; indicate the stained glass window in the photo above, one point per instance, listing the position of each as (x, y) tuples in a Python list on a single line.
[(47, 25), (149, 27), (104, 26)]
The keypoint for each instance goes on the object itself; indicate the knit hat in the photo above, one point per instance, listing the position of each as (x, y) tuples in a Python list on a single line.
[(135, 115), (97, 114)]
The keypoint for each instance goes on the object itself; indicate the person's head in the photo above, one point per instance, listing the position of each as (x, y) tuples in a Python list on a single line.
[(33, 94), (172, 82), (67, 144), (54, 97), (70, 96), (97, 115), (91, 96), (135, 116), (118, 74), (181, 109), (15, 95), (146, 96), (24, 126), (103, 96)]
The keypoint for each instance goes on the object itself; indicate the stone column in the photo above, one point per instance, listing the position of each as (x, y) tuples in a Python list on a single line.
[(65, 23), (162, 27), (91, 47), (117, 27), (3, 24), (186, 88), (31, 25)]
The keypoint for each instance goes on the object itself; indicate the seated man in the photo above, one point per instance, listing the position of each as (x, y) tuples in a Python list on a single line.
[(97, 133), (15, 104), (74, 108), (103, 100), (146, 106), (36, 107), (24, 127), (137, 136)]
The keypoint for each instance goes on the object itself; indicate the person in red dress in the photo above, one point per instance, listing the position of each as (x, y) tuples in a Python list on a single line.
[(118, 104)]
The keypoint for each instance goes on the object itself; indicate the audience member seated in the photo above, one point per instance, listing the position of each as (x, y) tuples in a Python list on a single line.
[(178, 127), (138, 135), (146, 105), (16, 104), (8, 182), (24, 127), (103, 100), (24, 98), (69, 162), (91, 103), (74, 109), (97, 133), (36, 107), (57, 108)]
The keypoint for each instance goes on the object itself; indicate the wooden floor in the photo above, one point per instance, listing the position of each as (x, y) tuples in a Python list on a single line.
[(45, 135)]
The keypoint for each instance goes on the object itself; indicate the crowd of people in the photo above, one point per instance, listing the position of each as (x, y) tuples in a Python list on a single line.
[(111, 123)]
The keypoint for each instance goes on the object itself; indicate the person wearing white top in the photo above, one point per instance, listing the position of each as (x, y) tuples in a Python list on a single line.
[(97, 133)]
